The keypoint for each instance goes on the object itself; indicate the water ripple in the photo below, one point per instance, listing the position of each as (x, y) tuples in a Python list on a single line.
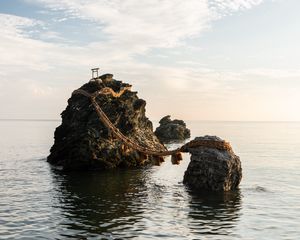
[(39, 202)]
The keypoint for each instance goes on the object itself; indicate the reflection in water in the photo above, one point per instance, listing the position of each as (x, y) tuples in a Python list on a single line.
[(100, 204), (215, 214), (137, 203)]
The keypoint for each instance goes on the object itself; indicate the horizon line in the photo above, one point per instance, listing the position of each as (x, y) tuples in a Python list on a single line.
[(56, 120)]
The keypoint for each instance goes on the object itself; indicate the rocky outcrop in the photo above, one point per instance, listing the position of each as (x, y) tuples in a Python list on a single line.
[(212, 169), (172, 130), (83, 142)]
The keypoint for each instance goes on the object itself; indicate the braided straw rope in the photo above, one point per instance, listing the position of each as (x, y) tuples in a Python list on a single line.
[(221, 145)]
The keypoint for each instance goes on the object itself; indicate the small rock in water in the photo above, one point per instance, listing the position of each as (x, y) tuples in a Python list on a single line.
[(172, 130), (212, 169)]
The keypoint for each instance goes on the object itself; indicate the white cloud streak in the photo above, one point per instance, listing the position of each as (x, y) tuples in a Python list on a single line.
[(12, 25), (234, 5)]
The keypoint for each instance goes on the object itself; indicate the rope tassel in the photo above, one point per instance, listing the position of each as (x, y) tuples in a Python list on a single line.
[(158, 160), (125, 149), (176, 158), (144, 156)]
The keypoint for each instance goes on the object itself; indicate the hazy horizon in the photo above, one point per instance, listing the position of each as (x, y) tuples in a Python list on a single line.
[(154, 120), (202, 60)]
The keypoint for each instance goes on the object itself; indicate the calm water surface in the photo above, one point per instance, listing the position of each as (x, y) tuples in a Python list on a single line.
[(37, 202)]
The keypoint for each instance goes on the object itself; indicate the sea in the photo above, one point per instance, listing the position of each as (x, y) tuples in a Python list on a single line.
[(39, 202)]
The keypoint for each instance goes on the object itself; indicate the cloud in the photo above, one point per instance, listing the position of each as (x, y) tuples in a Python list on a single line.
[(51, 35), (139, 25), (49, 66), (225, 7), (39, 91), (14, 25), (234, 5), (149, 24), (17, 49), (274, 73)]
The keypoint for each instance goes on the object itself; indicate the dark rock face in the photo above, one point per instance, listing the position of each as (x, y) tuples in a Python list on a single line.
[(83, 142), (172, 130), (212, 169)]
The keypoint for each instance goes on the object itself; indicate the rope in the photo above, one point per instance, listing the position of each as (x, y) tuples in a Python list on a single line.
[(221, 145)]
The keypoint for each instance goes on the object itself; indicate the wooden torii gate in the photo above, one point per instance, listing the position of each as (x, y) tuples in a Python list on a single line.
[(95, 72)]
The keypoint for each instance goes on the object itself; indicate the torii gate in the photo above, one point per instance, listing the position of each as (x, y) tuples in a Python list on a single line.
[(95, 71)]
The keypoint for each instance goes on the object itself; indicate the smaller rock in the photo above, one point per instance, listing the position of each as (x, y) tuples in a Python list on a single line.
[(172, 130), (212, 169)]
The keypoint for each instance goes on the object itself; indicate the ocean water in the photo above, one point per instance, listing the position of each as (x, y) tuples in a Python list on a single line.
[(38, 202)]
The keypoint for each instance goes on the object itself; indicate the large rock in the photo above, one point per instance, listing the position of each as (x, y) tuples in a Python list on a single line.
[(212, 169), (172, 130), (83, 142)]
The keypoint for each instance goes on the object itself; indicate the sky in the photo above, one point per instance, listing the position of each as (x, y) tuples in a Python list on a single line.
[(221, 60)]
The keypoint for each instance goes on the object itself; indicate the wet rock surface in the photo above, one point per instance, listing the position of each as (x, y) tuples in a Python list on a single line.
[(172, 130), (212, 169), (83, 142)]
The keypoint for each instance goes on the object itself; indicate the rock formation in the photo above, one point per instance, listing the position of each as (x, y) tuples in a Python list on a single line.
[(83, 142), (172, 130), (212, 169)]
